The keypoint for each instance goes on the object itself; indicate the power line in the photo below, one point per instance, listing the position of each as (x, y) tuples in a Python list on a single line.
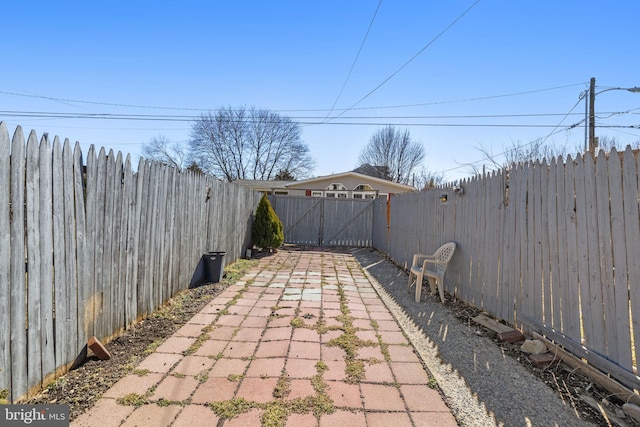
[(380, 107), (356, 59), (413, 57), (100, 103)]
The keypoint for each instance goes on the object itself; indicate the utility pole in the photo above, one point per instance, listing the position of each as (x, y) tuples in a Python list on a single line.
[(592, 116)]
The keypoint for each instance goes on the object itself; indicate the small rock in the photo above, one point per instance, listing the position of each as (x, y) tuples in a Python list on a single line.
[(534, 347)]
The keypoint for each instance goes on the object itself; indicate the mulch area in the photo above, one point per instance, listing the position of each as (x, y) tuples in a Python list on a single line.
[(83, 386)]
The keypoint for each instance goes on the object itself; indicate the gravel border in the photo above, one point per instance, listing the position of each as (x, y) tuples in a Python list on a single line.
[(481, 385)]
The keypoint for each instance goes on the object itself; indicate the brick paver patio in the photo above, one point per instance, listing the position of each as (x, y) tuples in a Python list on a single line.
[(302, 340)]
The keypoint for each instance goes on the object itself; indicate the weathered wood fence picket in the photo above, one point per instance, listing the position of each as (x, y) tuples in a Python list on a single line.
[(547, 246), (87, 249)]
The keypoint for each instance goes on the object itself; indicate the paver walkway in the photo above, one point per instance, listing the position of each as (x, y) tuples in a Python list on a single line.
[(303, 339)]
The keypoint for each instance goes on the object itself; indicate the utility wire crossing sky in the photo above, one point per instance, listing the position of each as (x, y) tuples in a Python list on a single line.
[(460, 75)]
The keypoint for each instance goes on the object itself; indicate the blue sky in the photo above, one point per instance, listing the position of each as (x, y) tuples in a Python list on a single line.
[(531, 59)]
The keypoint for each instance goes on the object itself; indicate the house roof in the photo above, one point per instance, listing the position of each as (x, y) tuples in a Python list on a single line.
[(257, 184), (303, 184)]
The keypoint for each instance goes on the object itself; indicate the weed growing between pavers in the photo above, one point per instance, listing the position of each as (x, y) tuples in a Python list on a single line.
[(235, 377), (164, 402), (202, 376), (283, 388), (199, 341), (140, 372), (132, 399), (297, 322), (232, 407), (276, 412), (205, 331)]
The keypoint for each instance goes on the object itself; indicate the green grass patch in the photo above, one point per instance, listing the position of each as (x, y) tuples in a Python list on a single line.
[(275, 414), (197, 344), (283, 387), (350, 343), (153, 346), (297, 322), (140, 372), (235, 271), (231, 408), (132, 399), (354, 371), (235, 377), (433, 383), (164, 402), (202, 377)]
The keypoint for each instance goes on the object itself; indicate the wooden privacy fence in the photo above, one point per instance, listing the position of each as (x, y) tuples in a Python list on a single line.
[(88, 248), (553, 247), (320, 221)]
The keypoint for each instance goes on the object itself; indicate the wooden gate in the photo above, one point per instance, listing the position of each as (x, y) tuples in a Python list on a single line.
[(320, 221)]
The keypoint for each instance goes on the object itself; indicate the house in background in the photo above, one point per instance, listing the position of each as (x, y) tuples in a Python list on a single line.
[(366, 182)]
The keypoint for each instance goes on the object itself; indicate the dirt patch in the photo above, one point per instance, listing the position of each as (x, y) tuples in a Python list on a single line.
[(83, 386)]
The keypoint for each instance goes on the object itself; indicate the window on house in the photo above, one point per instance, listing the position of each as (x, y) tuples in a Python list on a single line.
[(363, 187), (316, 194), (337, 187)]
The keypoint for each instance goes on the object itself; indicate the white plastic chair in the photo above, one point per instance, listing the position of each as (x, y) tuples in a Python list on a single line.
[(433, 267)]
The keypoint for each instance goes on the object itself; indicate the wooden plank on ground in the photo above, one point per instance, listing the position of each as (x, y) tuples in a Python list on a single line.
[(505, 332)]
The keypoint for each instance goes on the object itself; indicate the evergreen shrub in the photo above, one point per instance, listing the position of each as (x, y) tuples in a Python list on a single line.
[(267, 230)]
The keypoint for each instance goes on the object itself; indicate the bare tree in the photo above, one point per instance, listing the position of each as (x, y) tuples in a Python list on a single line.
[(160, 149), (514, 154), (396, 151), (250, 143), (425, 179), (606, 143)]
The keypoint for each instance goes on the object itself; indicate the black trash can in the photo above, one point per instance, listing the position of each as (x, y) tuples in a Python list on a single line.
[(214, 270), (209, 270)]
